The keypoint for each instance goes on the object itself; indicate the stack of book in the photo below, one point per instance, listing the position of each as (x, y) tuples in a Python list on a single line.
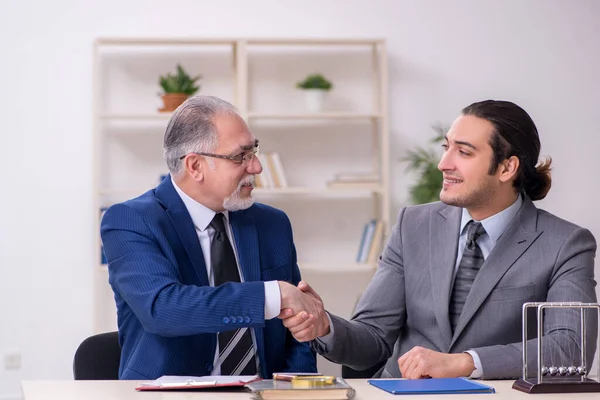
[(371, 241), (354, 181), (272, 175), (269, 389)]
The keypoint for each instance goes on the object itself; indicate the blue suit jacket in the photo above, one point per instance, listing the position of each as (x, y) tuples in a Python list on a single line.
[(168, 315)]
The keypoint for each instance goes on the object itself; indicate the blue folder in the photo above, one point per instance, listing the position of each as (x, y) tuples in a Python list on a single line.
[(431, 386)]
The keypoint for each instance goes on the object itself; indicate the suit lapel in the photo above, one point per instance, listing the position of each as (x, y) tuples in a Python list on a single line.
[(182, 222), (246, 243), (443, 228), (516, 239)]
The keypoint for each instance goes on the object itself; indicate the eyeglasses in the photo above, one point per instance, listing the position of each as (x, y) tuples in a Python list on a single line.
[(242, 158)]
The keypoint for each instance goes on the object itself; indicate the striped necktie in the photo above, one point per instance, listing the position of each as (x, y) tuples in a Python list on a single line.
[(470, 263), (237, 355)]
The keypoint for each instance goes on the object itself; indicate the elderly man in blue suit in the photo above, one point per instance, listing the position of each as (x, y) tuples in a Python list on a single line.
[(198, 270)]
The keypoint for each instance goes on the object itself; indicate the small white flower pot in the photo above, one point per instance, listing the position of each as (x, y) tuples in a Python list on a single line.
[(315, 99)]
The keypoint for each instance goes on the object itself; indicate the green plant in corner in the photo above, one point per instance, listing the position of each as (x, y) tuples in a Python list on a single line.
[(424, 162), (315, 81), (180, 82)]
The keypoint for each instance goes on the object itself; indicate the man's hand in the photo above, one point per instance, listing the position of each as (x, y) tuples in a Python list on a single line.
[(304, 323), (420, 362), (294, 301)]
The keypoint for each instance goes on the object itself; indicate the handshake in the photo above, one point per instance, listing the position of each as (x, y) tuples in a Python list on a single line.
[(302, 311)]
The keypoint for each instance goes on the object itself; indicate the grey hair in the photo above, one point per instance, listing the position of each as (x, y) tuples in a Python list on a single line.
[(191, 129)]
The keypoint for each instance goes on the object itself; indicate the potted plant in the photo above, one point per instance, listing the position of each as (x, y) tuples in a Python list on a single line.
[(177, 88), (315, 87), (424, 162)]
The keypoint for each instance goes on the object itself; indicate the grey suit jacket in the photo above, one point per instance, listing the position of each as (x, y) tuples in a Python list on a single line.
[(540, 257)]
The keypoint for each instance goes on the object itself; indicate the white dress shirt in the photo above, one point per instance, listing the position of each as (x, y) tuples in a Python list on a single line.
[(202, 217), (494, 228)]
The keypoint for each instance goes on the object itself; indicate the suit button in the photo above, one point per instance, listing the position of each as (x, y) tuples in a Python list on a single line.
[(232, 318), (247, 319), (209, 367), (240, 319), (225, 320)]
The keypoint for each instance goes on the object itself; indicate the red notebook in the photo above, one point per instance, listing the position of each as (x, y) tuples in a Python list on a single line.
[(168, 382)]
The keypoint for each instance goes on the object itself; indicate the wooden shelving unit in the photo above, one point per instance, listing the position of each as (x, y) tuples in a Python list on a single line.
[(256, 75)]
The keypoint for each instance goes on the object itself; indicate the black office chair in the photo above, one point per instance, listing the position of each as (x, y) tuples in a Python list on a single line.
[(98, 358)]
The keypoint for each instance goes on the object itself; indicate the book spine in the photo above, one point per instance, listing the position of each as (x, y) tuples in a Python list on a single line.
[(266, 173), (278, 167), (273, 170), (375, 248), (103, 259), (362, 242), (364, 251)]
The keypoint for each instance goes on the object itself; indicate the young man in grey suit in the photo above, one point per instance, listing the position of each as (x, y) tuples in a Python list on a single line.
[(446, 299)]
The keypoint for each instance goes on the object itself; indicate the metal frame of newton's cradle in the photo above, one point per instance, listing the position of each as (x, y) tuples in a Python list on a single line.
[(579, 383)]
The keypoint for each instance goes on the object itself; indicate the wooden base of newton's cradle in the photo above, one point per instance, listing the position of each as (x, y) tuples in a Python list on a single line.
[(558, 385)]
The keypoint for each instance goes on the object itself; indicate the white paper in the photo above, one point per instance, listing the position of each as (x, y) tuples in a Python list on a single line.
[(212, 380)]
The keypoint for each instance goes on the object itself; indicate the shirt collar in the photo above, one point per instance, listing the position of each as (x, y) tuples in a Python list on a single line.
[(496, 224), (201, 215)]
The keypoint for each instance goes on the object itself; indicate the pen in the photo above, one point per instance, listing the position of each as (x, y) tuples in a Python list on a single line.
[(288, 376)]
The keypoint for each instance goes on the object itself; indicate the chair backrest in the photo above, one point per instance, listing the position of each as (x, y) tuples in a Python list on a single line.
[(98, 358)]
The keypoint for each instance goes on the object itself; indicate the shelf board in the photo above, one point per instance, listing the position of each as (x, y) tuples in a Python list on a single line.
[(318, 267), (253, 116), (125, 41), (121, 191), (324, 192), (313, 116), (321, 192), (136, 117), (335, 267), (315, 41), (162, 41)]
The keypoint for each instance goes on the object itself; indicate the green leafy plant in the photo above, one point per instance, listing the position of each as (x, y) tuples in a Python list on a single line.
[(424, 162), (180, 82), (315, 81)]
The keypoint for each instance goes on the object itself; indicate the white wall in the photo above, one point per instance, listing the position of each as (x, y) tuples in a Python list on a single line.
[(444, 55)]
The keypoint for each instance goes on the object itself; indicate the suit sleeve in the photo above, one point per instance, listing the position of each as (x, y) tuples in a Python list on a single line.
[(572, 280), (300, 357), (379, 315), (149, 283)]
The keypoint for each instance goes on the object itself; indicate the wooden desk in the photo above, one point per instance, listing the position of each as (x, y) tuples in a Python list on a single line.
[(124, 390)]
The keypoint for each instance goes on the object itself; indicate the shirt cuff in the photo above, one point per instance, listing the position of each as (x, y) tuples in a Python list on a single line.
[(272, 300), (478, 371)]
